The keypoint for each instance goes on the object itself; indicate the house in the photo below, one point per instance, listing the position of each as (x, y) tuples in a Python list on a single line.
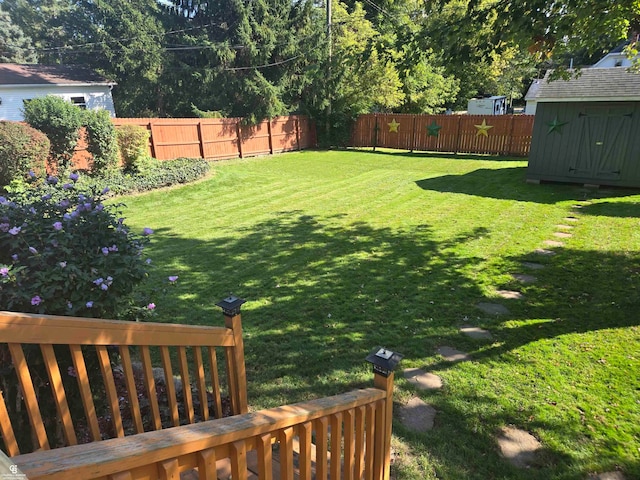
[(587, 129), (79, 85)]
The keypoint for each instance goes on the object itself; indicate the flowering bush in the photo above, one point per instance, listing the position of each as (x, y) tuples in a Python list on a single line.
[(63, 251)]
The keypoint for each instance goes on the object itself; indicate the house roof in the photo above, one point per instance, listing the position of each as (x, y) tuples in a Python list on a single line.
[(33, 74), (591, 85)]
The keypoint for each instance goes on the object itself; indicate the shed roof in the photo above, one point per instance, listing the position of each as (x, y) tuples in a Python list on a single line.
[(33, 74), (591, 85)]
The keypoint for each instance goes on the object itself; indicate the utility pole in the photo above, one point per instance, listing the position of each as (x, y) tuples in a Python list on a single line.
[(330, 52)]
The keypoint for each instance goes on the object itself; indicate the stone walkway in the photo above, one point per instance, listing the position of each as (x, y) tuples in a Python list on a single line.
[(517, 446)]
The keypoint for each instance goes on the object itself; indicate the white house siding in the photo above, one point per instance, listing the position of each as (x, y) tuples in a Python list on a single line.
[(13, 97)]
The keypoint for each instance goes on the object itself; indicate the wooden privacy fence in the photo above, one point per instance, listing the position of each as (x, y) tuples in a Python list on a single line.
[(499, 134), (218, 138), (345, 436), (214, 138)]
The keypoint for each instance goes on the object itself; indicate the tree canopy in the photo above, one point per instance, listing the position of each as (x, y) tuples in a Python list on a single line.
[(261, 58)]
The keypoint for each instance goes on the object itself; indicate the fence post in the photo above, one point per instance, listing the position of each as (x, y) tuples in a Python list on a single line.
[(201, 139), (238, 134), (297, 131), (413, 135), (384, 362), (459, 133), (510, 146), (236, 372), (375, 133), (152, 142), (270, 136)]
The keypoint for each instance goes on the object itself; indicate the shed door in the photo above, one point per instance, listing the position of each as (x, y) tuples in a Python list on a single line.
[(602, 147)]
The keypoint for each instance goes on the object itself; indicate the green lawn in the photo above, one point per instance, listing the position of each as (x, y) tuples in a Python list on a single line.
[(338, 252)]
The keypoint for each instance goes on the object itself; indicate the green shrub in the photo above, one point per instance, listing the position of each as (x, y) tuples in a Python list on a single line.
[(22, 149), (62, 251), (102, 141), (132, 141), (163, 174), (60, 121)]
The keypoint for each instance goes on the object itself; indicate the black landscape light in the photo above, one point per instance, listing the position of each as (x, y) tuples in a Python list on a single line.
[(384, 360), (231, 305)]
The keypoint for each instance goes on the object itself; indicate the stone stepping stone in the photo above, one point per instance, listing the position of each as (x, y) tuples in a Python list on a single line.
[(422, 380), (553, 243), (545, 252), (568, 227), (417, 415), (520, 448), (510, 294), (524, 278), (450, 354), (476, 332), (571, 219), (607, 476), (533, 265), (493, 308), (562, 234)]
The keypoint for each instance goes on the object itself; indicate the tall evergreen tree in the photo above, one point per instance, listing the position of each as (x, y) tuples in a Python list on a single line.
[(15, 46)]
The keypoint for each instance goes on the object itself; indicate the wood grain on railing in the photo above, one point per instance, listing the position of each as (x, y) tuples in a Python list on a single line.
[(123, 386), (230, 437)]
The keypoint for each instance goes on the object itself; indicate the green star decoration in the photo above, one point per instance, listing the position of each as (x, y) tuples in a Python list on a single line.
[(433, 129), (556, 126)]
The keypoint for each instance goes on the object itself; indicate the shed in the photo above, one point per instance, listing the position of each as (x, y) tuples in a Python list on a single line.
[(79, 85), (587, 129)]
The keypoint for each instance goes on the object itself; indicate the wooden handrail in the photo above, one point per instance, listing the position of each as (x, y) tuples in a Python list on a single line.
[(53, 329), (79, 339), (114, 456)]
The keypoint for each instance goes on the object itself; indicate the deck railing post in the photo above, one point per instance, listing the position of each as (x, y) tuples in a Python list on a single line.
[(236, 372), (384, 361)]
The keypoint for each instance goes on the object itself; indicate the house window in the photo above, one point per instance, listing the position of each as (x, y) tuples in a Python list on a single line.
[(80, 102)]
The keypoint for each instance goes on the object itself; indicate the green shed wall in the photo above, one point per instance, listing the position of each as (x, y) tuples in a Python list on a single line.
[(599, 143)]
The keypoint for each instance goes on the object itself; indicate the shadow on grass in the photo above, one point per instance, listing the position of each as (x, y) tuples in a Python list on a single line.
[(613, 209), (440, 155), (509, 184), (321, 295)]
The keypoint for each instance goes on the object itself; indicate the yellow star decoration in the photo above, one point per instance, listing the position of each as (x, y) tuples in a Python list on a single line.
[(483, 128), (393, 126)]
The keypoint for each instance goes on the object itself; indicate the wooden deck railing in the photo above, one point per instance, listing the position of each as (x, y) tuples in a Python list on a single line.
[(341, 437), (32, 344)]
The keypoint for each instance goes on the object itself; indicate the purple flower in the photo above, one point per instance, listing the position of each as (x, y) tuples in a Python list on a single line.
[(104, 286), (81, 198), (4, 271), (4, 227), (109, 280), (54, 243), (52, 180), (32, 211), (63, 264), (57, 226), (87, 206), (99, 207), (71, 372), (64, 203), (67, 217), (67, 186), (173, 278), (33, 250), (147, 231), (105, 190), (69, 305), (3, 201), (151, 306), (105, 251), (74, 177), (14, 257), (113, 248), (15, 230), (46, 197), (89, 304), (98, 281), (148, 261), (32, 174), (36, 300)]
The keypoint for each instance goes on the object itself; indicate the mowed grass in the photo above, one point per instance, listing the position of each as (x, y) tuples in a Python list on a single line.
[(338, 252)]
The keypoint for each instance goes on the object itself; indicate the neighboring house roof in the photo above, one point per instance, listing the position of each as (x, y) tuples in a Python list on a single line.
[(12, 74), (591, 85), (533, 90)]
